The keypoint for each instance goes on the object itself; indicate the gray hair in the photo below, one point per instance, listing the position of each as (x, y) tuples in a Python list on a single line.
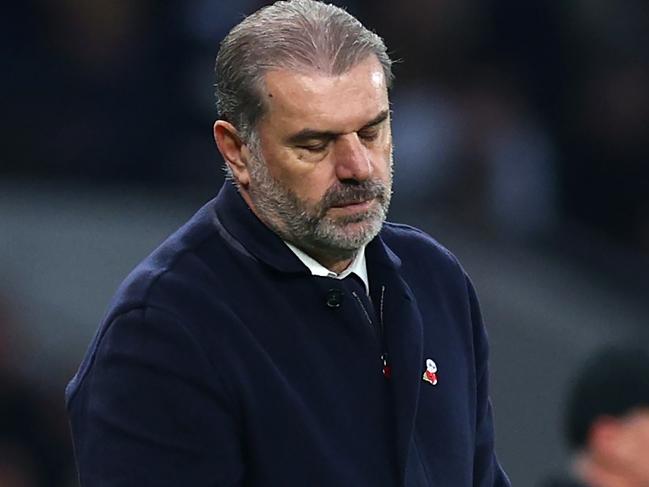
[(300, 35)]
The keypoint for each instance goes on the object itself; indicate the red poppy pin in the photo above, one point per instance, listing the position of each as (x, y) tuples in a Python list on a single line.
[(430, 374)]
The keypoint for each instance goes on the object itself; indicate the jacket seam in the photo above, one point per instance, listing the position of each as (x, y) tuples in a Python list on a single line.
[(421, 460)]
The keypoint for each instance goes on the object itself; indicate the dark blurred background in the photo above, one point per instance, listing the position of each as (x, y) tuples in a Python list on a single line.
[(521, 142)]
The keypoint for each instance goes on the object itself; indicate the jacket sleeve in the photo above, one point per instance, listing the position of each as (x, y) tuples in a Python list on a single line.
[(487, 472), (147, 409)]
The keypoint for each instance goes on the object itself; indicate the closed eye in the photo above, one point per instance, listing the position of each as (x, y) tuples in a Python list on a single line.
[(369, 134), (319, 147)]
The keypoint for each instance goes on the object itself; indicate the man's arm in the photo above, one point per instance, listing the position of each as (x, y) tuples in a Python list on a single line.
[(150, 409)]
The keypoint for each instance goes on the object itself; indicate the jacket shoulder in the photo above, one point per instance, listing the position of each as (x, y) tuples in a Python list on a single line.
[(411, 243), (174, 261), (166, 284)]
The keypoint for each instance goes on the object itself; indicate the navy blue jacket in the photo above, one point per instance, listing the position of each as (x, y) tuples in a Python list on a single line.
[(223, 362)]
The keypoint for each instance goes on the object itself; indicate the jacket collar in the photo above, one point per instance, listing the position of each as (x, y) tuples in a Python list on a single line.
[(243, 225), (259, 240)]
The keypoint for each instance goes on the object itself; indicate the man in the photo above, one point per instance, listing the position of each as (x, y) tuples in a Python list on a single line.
[(279, 338), (607, 420)]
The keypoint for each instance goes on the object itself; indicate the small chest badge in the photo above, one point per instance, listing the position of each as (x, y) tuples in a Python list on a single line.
[(430, 375)]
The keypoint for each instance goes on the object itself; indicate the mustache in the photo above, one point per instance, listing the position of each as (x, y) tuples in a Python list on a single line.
[(349, 193)]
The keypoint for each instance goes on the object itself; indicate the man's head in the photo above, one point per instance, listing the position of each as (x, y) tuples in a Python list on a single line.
[(305, 124), (607, 419), (304, 36)]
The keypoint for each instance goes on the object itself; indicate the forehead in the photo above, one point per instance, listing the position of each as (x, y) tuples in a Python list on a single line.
[(339, 103)]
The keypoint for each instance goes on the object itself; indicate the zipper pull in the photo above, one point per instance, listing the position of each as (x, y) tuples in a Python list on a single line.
[(387, 369)]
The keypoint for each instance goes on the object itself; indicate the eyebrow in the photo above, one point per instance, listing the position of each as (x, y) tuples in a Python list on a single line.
[(309, 134)]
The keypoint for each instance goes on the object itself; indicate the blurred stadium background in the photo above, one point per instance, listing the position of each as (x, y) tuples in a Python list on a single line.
[(522, 143)]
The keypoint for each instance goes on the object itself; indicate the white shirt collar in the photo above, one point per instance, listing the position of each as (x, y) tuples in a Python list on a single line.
[(358, 266)]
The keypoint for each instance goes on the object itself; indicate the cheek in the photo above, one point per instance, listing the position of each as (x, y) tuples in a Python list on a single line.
[(644, 434), (309, 182), (383, 153), (382, 158), (288, 169), (637, 433)]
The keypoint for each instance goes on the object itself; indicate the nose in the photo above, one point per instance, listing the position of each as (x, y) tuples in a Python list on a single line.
[(352, 159)]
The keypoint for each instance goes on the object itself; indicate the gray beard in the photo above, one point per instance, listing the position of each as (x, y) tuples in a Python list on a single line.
[(308, 226)]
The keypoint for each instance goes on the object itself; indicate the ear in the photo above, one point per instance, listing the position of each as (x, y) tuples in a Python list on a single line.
[(234, 151)]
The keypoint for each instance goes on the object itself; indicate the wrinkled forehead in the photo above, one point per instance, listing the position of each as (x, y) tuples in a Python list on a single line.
[(324, 100)]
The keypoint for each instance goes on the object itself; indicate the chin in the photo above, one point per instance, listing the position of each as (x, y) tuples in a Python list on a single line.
[(353, 235)]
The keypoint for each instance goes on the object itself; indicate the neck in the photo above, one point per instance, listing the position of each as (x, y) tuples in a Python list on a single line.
[(335, 264)]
